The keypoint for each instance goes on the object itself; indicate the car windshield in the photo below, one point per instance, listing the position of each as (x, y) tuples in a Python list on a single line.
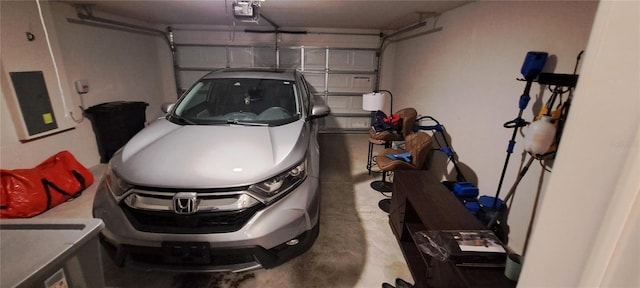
[(239, 101)]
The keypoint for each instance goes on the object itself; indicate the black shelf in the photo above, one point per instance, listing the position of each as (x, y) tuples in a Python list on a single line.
[(421, 203)]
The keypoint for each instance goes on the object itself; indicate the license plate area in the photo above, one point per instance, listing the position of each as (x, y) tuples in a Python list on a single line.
[(186, 252)]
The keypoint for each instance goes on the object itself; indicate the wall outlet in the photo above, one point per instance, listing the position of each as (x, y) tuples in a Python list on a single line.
[(82, 86)]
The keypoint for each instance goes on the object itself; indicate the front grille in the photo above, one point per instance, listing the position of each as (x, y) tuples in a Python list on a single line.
[(216, 210), (199, 223)]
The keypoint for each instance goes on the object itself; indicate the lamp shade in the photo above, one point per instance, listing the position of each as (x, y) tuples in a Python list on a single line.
[(373, 101)]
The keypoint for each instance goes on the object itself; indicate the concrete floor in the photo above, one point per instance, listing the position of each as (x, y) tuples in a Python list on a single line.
[(384, 260)]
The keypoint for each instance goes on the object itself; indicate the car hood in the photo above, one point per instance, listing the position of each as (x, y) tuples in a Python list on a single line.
[(167, 155)]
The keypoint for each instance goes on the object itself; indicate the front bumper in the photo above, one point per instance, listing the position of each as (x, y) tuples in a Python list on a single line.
[(273, 235)]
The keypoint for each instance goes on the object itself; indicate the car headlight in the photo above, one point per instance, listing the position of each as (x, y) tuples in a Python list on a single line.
[(278, 186), (115, 184)]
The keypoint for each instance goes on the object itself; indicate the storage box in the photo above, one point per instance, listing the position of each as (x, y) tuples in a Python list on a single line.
[(50, 253)]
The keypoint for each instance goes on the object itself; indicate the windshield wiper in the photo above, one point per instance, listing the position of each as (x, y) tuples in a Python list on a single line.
[(183, 120), (235, 121)]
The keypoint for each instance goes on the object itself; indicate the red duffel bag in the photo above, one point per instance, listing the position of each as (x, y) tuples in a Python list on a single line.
[(29, 192)]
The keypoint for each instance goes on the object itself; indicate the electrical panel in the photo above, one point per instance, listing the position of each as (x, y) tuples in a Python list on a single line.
[(33, 99)]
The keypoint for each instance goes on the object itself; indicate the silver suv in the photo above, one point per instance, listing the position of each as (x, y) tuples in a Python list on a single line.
[(226, 181)]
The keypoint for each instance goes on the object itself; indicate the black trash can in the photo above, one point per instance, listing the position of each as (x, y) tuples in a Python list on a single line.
[(114, 123)]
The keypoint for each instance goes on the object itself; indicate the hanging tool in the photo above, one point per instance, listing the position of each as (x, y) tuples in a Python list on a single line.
[(531, 68), (558, 84)]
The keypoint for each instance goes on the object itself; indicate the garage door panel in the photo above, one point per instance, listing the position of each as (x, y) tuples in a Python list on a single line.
[(360, 123), (290, 58), (338, 103), (355, 104), (332, 122), (339, 60), (316, 81), (319, 99), (346, 104), (187, 78), (346, 123), (363, 83), (202, 57), (341, 83), (264, 57), (352, 60), (350, 83), (314, 59), (240, 57), (365, 60)]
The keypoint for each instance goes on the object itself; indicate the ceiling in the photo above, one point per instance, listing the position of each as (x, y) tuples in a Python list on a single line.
[(346, 14)]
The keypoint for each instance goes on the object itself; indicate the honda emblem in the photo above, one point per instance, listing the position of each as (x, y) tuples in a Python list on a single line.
[(185, 203)]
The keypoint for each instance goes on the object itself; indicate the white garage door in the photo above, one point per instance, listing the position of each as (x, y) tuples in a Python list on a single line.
[(338, 76)]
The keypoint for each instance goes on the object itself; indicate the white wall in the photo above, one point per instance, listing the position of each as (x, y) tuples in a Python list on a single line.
[(465, 76), (118, 65), (587, 233), (19, 54)]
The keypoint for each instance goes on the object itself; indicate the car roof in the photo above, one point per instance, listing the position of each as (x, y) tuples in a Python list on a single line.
[(253, 73)]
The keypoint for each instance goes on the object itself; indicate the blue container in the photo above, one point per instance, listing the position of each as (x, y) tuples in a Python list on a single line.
[(472, 206), (533, 64), (465, 190), (487, 202)]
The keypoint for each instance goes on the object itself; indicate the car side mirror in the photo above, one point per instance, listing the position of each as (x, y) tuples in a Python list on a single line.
[(166, 107), (319, 111)]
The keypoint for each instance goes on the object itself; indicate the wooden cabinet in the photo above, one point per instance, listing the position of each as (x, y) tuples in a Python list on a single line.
[(421, 203)]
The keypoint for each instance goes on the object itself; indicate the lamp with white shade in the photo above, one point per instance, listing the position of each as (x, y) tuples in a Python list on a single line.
[(375, 100)]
